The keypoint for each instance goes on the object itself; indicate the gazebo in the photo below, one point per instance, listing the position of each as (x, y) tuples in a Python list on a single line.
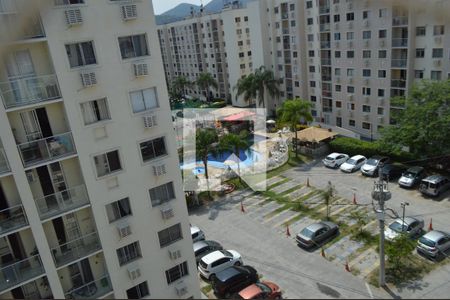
[(314, 141)]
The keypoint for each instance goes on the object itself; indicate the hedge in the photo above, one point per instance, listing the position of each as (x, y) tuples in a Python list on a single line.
[(218, 104), (353, 146)]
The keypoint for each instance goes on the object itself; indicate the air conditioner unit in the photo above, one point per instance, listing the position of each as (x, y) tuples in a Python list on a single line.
[(336, 26), (174, 254), (310, 45), (73, 16), (159, 170), (437, 39), (366, 43), (166, 211), (123, 229), (382, 43), (308, 12), (366, 23), (336, 44), (129, 12), (134, 272), (149, 121), (88, 79), (181, 288), (366, 81), (140, 69), (350, 114), (338, 79), (366, 62), (350, 25), (338, 113), (350, 97), (380, 100), (380, 119), (350, 80), (437, 62)]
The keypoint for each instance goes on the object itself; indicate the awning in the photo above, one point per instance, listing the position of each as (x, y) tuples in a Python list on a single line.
[(315, 135), (239, 116)]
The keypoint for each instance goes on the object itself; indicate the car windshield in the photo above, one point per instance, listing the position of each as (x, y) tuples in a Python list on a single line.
[(330, 158), (409, 175), (396, 226), (227, 253), (351, 161), (264, 287), (427, 242), (372, 162), (307, 232)]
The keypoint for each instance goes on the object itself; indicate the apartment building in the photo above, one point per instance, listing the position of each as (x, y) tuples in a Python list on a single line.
[(91, 204)]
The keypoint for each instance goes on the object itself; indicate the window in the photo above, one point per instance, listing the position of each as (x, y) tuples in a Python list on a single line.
[(366, 91), (366, 53), (177, 272), (311, 53), (118, 210), (242, 66), (438, 52), (367, 34), (366, 72), (310, 21), (312, 84), (436, 75), (153, 149), (350, 16), (337, 18), (337, 71), (338, 104), (309, 4), (382, 12), (95, 111), (351, 106), (249, 53), (107, 163), (237, 20), (381, 93), (241, 54), (380, 110), (291, 7), (382, 53), (144, 100), (350, 54), (133, 46), (420, 52), (438, 29), (170, 235), (310, 37), (366, 108), (366, 125), (382, 33), (68, 2), (351, 123), (161, 194), (81, 54), (312, 69), (129, 253), (337, 36), (245, 19), (292, 23), (350, 89), (366, 14), (138, 291), (350, 35), (337, 54), (421, 31), (418, 74), (350, 72), (337, 88), (313, 98)]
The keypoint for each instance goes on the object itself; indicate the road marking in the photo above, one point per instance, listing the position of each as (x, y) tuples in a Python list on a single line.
[(369, 290)]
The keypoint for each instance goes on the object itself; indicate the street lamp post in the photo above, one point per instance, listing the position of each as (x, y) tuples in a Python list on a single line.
[(403, 205)]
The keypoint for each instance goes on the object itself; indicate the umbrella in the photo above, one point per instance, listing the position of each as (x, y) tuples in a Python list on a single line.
[(270, 122)]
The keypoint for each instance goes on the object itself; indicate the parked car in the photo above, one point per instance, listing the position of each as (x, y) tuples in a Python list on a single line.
[(202, 248), (217, 261), (335, 160), (261, 290), (197, 234), (434, 185), (316, 233), (411, 177), (371, 166), (353, 164), (434, 243), (233, 279), (411, 226), (391, 171)]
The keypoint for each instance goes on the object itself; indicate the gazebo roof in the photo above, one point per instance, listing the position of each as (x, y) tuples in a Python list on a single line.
[(315, 135)]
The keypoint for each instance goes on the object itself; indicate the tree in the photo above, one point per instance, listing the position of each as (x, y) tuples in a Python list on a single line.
[(292, 112), (179, 85), (361, 220), (399, 249), (235, 143), (205, 143), (205, 81), (328, 197), (256, 84), (422, 124)]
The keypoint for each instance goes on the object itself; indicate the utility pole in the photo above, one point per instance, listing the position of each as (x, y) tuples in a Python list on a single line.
[(403, 205), (381, 194)]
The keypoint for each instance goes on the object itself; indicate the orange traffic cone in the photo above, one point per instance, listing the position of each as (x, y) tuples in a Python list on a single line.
[(288, 233), (307, 182), (430, 227), (347, 268), (242, 207), (354, 199), (322, 252)]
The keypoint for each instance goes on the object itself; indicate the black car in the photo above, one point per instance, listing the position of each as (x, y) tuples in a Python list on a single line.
[(391, 171), (233, 280), (202, 248)]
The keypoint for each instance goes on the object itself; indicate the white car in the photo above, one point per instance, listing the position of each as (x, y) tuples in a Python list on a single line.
[(353, 164), (217, 261), (197, 234), (334, 160), (411, 227), (371, 166)]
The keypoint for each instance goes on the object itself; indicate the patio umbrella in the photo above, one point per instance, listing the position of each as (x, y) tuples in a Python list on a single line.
[(270, 122)]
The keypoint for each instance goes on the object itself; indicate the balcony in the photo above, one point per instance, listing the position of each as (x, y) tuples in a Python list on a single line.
[(76, 249), (61, 202), (327, 93), (324, 10), (284, 16), (325, 61), (327, 109), (18, 272), (399, 83), (400, 63), (30, 90), (325, 27), (46, 149), (399, 43), (7, 7), (285, 31), (91, 290), (400, 21), (12, 218), (4, 165)]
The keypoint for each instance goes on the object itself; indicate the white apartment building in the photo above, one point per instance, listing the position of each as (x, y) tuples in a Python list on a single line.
[(91, 204)]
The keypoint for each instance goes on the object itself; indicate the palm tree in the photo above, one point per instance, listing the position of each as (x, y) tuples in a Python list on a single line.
[(180, 84), (205, 81), (205, 143), (328, 197), (292, 112), (256, 84), (235, 143)]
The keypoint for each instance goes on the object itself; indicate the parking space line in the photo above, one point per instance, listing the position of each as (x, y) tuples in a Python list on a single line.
[(369, 290)]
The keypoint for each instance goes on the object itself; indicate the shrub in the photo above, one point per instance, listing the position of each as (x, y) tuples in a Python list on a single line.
[(219, 104)]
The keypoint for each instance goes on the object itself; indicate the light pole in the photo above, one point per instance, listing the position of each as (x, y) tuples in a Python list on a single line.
[(403, 205)]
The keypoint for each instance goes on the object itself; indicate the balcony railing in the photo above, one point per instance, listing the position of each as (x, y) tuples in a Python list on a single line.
[(325, 27), (324, 10), (285, 31), (91, 290), (325, 44), (4, 165), (398, 83), (46, 149), (325, 61), (399, 42), (61, 202), (286, 46), (20, 271), (401, 63), (7, 7), (24, 91), (284, 16), (12, 218), (76, 249), (400, 21), (327, 109)]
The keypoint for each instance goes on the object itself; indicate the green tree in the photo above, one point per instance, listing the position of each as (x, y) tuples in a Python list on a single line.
[(205, 143), (179, 86), (292, 112), (328, 197), (235, 143), (205, 81), (256, 84), (423, 121), (398, 250)]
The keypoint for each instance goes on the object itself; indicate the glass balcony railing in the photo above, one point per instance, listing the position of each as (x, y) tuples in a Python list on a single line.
[(400, 83), (4, 165), (401, 63), (18, 272), (46, 149), (400, 21), (91, 290), (8, 7), (60, 202), (12, 218), (325, 61), (13, 29), (399, 42), (325, 44), (75, 249), (29, 90), (325, 27), (324, 10)]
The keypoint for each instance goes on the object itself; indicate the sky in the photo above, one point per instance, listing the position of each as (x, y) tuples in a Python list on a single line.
[(161, 6)]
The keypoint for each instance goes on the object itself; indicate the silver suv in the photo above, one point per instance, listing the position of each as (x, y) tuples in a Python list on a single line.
[(434, 185)]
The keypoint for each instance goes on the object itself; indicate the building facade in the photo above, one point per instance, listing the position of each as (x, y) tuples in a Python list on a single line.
[(91, 204)]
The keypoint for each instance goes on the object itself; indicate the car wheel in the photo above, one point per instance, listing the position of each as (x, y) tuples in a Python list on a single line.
[(238, 263)]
